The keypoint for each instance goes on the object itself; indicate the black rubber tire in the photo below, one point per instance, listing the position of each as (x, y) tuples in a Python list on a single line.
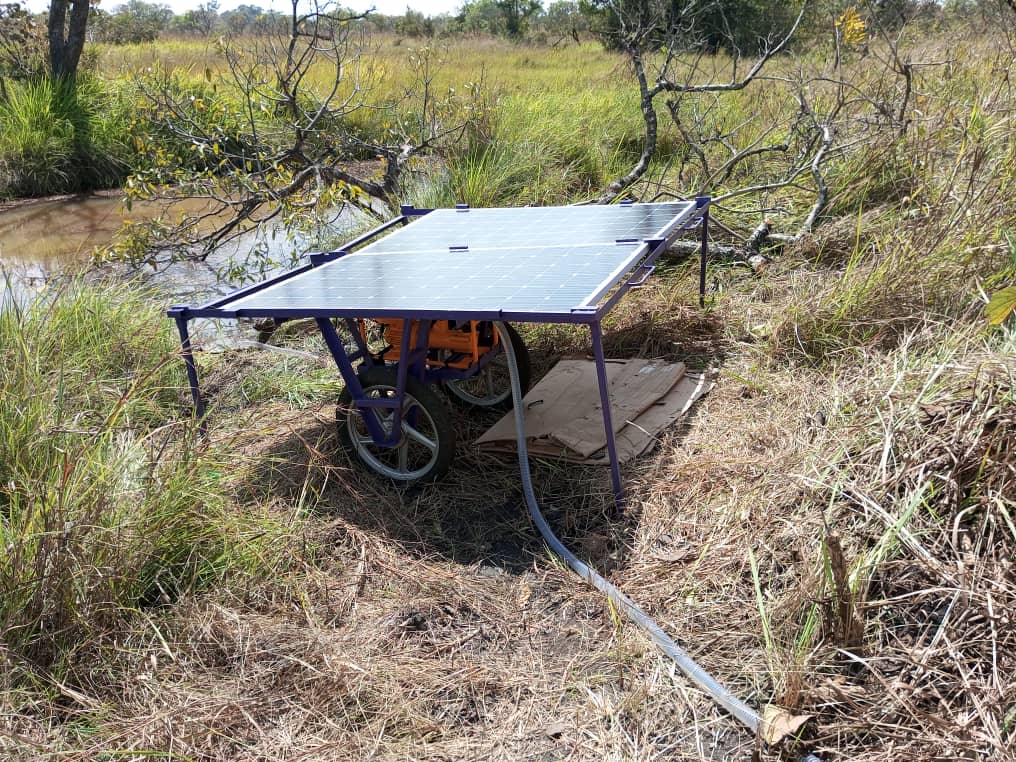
[(382, 380), (503, 401)]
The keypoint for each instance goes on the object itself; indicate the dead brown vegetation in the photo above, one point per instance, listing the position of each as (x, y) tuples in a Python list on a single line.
[(433, 624)]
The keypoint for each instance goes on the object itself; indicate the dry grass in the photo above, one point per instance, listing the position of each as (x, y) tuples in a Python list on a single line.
[(432, 624), (833, 530), (428, 625)]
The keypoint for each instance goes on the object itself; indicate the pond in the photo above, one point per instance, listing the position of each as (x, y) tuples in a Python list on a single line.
[(54, 233), (47, 237)]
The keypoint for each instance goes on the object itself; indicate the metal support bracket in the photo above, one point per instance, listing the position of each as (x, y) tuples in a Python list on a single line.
[(321, 257), (702, 204)]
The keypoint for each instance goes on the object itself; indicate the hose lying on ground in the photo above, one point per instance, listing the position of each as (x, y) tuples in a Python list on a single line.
[(741, 711)]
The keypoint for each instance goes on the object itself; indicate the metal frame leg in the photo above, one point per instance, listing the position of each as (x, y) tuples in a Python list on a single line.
[(608, 422), (412, 361), (412, 354), (403, 367), (703, 203), (362, 352), (348, 373), (420, 349), (179, 314)]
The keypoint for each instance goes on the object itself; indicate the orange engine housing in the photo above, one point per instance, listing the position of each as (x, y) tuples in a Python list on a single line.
[(451, 343)]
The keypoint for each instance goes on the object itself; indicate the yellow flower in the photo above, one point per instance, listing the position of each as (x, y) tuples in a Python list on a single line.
[(852, 26)]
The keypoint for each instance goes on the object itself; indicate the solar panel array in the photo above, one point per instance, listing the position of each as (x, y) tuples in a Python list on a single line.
[(531, 260)]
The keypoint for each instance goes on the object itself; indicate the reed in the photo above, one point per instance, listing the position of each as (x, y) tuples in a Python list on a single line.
[(59, 137)]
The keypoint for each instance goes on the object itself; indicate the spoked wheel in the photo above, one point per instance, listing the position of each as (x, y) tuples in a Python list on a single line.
[(427, 442), (490, 388)]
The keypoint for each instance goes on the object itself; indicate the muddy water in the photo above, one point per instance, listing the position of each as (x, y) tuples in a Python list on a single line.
[(46, 237), (42, 239), (55, 233), (39, 239), (52, 234)]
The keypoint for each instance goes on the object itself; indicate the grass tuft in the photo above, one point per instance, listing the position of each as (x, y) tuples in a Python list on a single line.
[(106, 504), (59, 136)]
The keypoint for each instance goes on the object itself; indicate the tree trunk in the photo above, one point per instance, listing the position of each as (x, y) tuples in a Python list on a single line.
[(66, 40)]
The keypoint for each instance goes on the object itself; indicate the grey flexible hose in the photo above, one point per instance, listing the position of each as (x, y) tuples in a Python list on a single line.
[(703, 679), (741, 711)]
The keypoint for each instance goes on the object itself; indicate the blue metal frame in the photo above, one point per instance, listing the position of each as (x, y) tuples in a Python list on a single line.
[(632, 273)]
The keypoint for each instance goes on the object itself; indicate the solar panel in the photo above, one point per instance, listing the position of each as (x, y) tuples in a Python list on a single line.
[(478, 262), (531, 227)]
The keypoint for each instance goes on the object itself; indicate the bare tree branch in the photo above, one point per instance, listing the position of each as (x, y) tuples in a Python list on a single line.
[(614, 189), (634, 38), (665, 85), (286, 158)]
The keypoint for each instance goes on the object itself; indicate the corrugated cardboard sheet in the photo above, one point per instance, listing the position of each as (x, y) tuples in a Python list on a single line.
[(564, 417)]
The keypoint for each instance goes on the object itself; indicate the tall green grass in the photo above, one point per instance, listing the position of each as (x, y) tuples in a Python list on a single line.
[(107, 503), (36, 146), (59, 136), (538, 146)]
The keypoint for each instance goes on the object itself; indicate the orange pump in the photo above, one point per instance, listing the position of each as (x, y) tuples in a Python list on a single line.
[(451, 343)]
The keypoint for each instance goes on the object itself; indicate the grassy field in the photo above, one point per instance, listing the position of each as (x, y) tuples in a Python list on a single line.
[(554, 123), (832, 531)]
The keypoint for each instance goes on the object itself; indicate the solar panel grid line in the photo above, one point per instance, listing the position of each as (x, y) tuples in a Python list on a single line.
[(666, 233), (535, 226), (612, 279), (414, 280), (669, 230)]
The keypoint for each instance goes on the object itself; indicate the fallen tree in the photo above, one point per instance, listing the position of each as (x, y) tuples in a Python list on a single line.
[(770, 162)]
